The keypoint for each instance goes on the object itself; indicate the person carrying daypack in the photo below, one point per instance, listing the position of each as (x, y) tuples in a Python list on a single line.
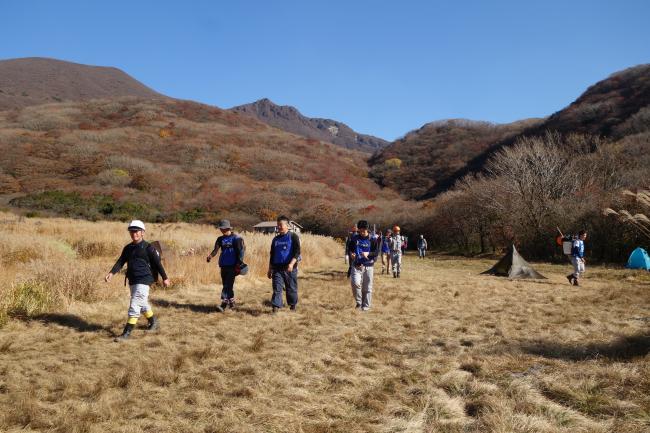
[(385, 252), (143, 265), (231, 261), (578, 258), (422, 247), (397, 243), (363, 251), (283, 265)]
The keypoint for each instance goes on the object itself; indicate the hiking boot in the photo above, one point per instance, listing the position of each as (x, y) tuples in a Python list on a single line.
[(394, 274), (274, 309), (224, 305), (126, 334), (575, 282), (398, 275), (231, 304), (292, 307), (358, 306), (219, 309), (570, 278), (153, 324)]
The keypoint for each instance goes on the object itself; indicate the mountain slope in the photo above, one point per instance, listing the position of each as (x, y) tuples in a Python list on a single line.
[(34, 81), (291, 120), (169, 159), (614, 107), (417, 162)]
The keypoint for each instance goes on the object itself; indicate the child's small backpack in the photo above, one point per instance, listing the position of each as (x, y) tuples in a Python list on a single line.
[(567, 244)]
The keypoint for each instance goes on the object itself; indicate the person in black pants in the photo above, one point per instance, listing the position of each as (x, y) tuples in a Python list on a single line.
[(283, 265), (232, 254), (142, 260)]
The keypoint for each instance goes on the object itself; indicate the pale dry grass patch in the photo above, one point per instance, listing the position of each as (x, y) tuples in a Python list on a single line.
[(444, 349)]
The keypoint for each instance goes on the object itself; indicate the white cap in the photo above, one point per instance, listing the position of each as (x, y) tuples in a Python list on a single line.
[(136, 225)]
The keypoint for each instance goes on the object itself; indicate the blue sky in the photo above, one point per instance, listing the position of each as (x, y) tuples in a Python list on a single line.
[(382, 67)]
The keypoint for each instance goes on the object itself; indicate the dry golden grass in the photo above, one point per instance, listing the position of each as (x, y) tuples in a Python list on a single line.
[(443, 350)]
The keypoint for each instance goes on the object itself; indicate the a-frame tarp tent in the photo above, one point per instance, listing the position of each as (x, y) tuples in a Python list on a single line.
[(512, 265)]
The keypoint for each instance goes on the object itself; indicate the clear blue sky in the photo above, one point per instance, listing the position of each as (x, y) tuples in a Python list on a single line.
[(382, 67)]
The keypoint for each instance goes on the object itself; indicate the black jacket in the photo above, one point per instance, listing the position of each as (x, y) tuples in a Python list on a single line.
[(142, 261)]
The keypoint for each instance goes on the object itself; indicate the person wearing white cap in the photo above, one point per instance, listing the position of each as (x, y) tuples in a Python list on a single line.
[(142, 261)]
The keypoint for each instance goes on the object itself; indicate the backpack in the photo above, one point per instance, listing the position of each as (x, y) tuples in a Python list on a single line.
[(566, 242)]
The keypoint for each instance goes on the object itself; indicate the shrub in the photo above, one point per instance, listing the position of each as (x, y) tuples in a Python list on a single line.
[(114, 177), (93, 207), (29, 298), (20, 255), (89, 248)]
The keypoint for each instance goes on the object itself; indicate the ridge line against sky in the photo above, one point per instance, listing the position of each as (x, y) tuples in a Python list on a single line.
[(382, 68)]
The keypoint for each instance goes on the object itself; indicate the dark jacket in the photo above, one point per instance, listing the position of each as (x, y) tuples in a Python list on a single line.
[(141, 260)]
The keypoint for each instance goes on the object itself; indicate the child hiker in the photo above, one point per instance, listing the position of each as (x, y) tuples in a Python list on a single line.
[(142, 261), (578, 258), (232, 255)]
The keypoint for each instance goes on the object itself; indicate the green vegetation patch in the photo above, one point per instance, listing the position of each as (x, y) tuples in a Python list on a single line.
[(95, 207)]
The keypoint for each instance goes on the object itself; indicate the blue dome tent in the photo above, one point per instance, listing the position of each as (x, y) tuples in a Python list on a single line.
[(639, 259)]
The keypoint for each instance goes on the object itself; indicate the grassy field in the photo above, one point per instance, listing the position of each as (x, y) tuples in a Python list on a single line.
[(444, 349)]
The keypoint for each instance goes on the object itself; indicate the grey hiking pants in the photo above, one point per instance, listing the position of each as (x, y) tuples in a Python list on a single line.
[(396, 258), (361, 282), (578, 266), (139, 300)]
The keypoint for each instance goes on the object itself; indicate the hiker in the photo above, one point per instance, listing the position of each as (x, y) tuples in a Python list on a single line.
[(363, 252), (578, 258), (385, 252), (396, 244), (422, 247), (283, 265), (143, 262), (230, 261)]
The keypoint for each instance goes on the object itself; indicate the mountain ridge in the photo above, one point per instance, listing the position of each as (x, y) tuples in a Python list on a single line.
[(290, 119)]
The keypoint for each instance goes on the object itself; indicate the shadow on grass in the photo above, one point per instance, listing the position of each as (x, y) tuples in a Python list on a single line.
[(197, 308), (623, 348), (325, 275), (70, 321), (251, 311)]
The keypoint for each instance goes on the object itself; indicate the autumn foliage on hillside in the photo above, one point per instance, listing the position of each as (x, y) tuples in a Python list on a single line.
[(178, 160), (439, 154), (417, 162), (542, 183)]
